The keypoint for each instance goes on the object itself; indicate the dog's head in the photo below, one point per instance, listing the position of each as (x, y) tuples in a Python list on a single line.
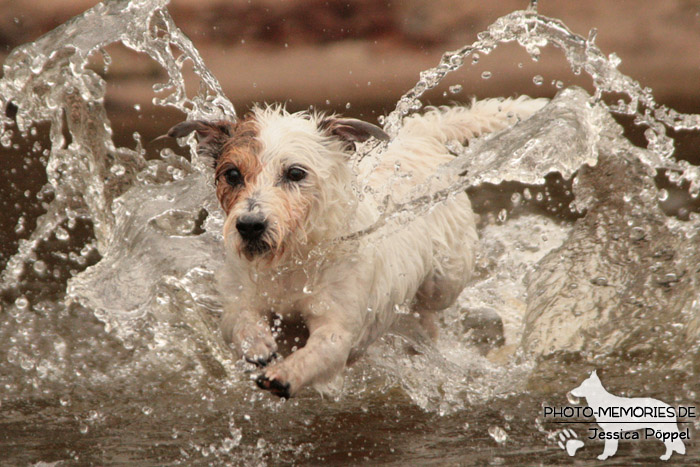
[(589, 386), (283, 179)]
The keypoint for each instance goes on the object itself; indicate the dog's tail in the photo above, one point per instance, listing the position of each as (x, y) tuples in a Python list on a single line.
[(462, 123)]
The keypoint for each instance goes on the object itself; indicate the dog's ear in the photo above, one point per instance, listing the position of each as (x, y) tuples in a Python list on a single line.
[(211, 136), (352, 130)]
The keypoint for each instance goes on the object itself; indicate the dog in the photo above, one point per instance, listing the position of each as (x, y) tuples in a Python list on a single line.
[(601, 401), (292, 198)]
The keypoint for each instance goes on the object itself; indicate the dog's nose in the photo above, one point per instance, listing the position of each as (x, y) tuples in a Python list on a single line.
[(251, 226)]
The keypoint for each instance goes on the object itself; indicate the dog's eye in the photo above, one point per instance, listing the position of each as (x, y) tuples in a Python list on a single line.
[(233, 177), (295, 174)]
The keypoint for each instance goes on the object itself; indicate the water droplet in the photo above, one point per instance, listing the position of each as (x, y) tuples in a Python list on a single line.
[(456, 60), (227, 444), (475, 59), (669, 278), (456, 89), (538, 80), (486, 75), (39, 267), (516, 198), (261, 443), (118, 170), (146, 410), (6, 139), (236, 436), (62, 234), (502, 215), (26, 363), (348, 105), (64, 401), (498, 434), (526, 194), (601, 281), (83, 428), (22, 303), (663, 194)]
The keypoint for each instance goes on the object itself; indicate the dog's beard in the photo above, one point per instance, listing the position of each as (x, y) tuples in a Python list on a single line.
[(267, 248), (255, 249)]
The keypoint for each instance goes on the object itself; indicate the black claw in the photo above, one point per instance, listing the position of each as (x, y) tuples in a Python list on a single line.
[(261, 362), (11, 110), (274, 386)]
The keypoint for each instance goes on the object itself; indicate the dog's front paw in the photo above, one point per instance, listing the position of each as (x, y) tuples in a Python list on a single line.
[(258, 346), (275, 386), (253, 341), (257, 359), (280, 380)]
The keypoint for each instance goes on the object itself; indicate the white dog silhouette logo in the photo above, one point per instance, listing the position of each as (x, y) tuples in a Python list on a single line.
[(616, 415)]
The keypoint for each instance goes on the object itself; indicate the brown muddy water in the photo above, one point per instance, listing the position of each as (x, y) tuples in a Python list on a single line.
[(109, 347)]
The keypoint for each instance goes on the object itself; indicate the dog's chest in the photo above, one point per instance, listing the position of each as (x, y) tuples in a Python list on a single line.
[(283, 290)]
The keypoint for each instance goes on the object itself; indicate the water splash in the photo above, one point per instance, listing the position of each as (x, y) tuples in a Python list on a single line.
[(49, 80), (617, 288), (156, 223), (146, 296), (534, 32)]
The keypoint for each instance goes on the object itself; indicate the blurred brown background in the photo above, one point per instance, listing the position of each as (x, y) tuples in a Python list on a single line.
[(368, 52), (356, 57)]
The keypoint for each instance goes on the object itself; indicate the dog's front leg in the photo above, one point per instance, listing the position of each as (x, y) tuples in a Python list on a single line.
[(249, 333), (324, 355)]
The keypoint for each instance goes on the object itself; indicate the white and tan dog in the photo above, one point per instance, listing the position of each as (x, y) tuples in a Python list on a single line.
[(290, 194)]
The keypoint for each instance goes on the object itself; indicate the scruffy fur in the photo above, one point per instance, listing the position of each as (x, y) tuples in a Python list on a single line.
[(282, 232)]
